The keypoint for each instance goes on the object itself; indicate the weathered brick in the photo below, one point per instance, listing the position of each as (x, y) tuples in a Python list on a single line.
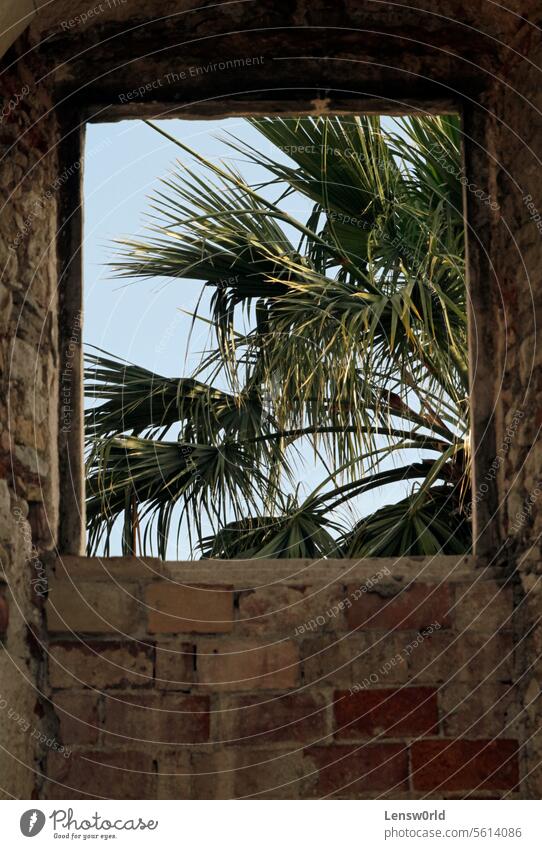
[(189, 774), (244, 665), (174, 774), (473, 710), (78, 716), (268, 773), (469, 656), (100, 664), (449, 765), (97, 608), (176, 609), (260, 720), (412, 608), (406, 712), (175, 665), (156, 717), (483, 606), (291, 610), (346, 660), (4, 615), (354, 771), (118, 569), (101, 775)]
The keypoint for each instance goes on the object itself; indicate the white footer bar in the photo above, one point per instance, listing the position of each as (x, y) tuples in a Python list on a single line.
[(274, 824)]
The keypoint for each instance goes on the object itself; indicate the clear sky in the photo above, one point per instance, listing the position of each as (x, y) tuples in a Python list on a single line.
[(141, 320)]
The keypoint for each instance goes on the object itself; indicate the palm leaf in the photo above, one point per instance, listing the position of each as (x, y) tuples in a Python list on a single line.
[(356, 334)]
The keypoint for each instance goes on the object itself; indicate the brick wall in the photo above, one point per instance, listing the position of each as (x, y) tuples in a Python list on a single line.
[(263, 680)]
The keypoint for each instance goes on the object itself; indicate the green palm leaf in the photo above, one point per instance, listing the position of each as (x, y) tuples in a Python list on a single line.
[(353, 350)]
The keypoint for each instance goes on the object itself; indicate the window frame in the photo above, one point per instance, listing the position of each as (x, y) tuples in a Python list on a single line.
[(479, 273)]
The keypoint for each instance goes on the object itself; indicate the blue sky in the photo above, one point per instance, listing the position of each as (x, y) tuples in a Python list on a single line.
[(141, 320)]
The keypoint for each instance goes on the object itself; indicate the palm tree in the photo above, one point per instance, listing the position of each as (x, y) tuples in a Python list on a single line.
[(339, 341)]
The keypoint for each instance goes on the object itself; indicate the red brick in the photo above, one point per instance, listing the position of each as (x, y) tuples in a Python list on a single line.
[(393, 713), (244, 665), (4, 615), (157, 718), (100, 664), (413, 608), (101, 775), (446, 765), (258, 721), (78, 716), (177, 609), (350, 771)]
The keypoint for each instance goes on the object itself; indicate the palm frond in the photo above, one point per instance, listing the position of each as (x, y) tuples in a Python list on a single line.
[(300, 532), (434, 525), (208, 480), (352, 350)]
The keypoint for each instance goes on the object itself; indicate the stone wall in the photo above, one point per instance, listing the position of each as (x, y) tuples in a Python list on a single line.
[(518, 246), (28, 414), (273, 680)]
